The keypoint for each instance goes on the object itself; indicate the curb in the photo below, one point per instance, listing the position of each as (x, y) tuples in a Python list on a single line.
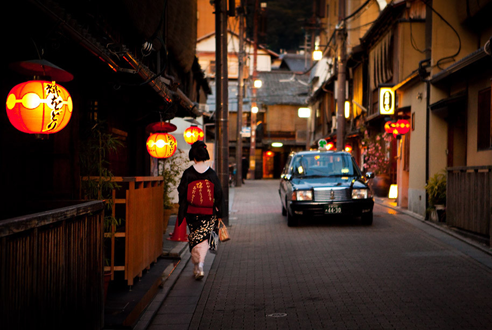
[(169, 277), (476, 245)]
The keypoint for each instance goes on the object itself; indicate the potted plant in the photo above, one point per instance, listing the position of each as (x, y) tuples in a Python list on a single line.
[(377, 160), (171, 170), (96, 183), (436, 196)]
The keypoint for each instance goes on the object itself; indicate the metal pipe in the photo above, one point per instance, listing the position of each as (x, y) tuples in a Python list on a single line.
[(224, 118), (341, 76)]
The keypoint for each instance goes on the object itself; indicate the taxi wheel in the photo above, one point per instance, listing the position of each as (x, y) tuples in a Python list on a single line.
[(367, 219), (292, 221)]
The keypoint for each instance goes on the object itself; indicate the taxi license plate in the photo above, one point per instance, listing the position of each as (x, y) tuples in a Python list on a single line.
[(332, 209)]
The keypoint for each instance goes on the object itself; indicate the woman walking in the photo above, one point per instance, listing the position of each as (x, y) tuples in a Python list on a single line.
[(200, 201)]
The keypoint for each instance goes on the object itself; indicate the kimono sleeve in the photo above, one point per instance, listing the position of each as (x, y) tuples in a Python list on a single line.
[(182, 190)]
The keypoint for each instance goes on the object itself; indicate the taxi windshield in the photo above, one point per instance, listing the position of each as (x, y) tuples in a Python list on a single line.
[(324, 165)]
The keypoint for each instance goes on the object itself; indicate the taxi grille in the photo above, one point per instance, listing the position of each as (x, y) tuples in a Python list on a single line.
[(326, 195)]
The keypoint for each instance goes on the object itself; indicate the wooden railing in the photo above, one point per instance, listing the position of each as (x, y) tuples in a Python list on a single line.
[(468, 194), (139, 204), (51, 269)]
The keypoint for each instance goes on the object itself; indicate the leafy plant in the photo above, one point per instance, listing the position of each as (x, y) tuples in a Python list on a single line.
[(171, 170), (376, 153), (436, 189), (95, 146)]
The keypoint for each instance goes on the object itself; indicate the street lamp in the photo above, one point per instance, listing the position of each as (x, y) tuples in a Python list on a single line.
[(317, 55), (347, 110), (257, 83), (254, 109), (304, 112)]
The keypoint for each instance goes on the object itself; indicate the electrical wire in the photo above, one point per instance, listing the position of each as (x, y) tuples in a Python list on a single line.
[(357, 10), (412, 40), (360, 26), (456, 32)]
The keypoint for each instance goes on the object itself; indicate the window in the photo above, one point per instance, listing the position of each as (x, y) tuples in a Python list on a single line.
[(483, 124)]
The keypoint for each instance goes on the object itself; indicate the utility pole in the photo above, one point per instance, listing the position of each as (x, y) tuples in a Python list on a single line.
[(252, 149), (240, 83), (341, 75), (222, 111)]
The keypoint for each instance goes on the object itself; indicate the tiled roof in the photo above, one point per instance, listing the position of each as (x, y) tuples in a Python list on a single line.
[(283, 87), (295, 62)]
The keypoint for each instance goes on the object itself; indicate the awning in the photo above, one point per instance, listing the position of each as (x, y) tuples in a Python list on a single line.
[(462, 66), (442, 107)]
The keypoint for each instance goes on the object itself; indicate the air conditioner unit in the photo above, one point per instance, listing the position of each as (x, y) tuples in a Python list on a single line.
[(203, 107)]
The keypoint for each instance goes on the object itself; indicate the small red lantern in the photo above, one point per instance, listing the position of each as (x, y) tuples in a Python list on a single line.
[(161, 145), (348, 148), (39, 107), (193, 134), (330, 146), (400, 127)]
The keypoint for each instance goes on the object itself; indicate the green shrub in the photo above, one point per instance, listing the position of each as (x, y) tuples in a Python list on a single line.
[(436, 189)]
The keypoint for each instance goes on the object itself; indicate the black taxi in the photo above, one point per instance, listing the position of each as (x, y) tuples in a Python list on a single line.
[(324, 183)]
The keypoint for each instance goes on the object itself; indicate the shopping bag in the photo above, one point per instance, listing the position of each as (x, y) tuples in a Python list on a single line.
[(223, 233), (213, 241)]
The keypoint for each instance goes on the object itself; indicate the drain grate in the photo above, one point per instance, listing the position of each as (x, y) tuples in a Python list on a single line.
[(277, 315)]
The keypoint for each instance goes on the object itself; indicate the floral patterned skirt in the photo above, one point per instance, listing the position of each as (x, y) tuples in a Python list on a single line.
[(200, 227)]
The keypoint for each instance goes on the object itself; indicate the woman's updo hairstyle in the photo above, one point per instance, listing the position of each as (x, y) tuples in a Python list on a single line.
[(199, 151)]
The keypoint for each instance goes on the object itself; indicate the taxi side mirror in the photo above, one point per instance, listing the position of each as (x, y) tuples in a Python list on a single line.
[(287, 177)]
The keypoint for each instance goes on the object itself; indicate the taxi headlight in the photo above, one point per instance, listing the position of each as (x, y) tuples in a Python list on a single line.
[(359, 193), (302, 195)]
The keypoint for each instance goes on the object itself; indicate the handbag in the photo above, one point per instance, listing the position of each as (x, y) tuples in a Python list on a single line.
[(223, 233)]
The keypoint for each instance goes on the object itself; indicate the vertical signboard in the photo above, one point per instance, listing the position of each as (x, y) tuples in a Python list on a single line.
[(386, 101)]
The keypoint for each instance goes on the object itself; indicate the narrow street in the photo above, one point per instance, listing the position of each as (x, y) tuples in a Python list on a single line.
[(398, 273)]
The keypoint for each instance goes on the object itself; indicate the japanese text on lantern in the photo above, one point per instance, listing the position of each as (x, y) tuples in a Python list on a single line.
[(55, 102)]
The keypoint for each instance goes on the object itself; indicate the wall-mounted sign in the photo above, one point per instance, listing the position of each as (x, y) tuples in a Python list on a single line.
[(246, 132), (386, 101)]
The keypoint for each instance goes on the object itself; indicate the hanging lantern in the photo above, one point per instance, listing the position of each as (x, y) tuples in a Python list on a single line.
[(348, 148), (193, 134), (400, 127), (161, 145), (39, 107)]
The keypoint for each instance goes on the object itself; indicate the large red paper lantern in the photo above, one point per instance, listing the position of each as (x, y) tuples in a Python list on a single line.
[(193, 134), (39, 107), (161, 145), (400, 127)]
